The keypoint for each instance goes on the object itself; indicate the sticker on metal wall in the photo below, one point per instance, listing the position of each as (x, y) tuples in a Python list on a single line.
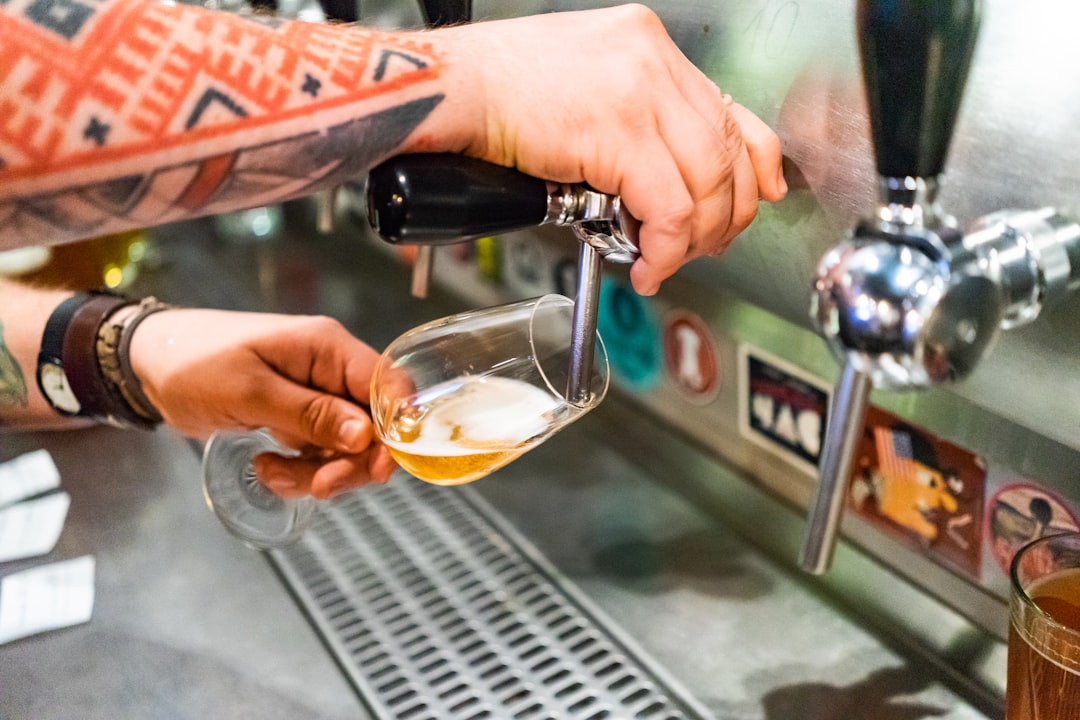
[(924, 491), (1020, 512), (690, 358), (631, 332), (782, 408)]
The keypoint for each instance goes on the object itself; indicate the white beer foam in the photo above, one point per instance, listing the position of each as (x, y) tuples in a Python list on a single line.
[(483, 413)]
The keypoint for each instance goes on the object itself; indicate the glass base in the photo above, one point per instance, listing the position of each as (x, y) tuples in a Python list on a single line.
[(247, 508)]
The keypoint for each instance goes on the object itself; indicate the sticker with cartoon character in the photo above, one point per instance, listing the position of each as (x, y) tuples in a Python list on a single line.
[(1022, 512), (921, 489)]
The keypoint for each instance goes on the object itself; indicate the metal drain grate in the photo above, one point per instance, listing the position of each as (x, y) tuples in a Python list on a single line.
[(435, 613)]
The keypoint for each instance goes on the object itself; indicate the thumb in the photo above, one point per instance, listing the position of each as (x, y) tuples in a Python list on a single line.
[(302, 416)]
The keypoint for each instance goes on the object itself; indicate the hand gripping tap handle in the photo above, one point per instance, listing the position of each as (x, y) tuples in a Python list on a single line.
[(915, 55), (435, 199)]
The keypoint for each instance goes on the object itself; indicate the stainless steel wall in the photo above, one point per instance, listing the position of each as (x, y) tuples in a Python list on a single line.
[(1017, 145)]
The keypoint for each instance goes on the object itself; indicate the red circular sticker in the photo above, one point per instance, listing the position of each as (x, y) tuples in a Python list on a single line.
[(690, 359), (1020, 513)]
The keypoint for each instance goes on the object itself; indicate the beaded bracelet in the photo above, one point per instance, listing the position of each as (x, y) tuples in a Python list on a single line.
[(114, 356)]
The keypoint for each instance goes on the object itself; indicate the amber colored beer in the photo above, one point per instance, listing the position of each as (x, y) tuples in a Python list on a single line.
[(1044, 652), (466, 428)]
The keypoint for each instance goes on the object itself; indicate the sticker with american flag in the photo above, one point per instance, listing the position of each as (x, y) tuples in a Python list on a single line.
[(922, 490)]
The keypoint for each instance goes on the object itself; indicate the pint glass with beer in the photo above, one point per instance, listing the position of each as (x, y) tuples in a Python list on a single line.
[(1044, 630)]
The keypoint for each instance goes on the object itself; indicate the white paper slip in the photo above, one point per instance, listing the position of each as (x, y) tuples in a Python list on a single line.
[(30, 474), (46, 598), (32, 527)]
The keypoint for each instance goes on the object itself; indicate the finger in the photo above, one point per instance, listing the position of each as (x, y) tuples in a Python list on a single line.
[(321, 478), (394, 385), (381, 464), (765, 153), (761, 142), (744, 199), (704, 157), (660, 199), (707, 157), (286, 477), (710, 103), (322, 354), (360, 365), (745, 191), (341, 474), (700, 92)]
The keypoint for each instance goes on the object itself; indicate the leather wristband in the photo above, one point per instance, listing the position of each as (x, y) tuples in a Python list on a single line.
[(79, 359)]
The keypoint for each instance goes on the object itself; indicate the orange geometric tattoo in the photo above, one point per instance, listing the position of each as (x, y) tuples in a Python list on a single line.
[(151, 73), (169, 100)]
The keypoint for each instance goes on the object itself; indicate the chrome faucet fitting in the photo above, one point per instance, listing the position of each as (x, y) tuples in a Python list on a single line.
[(606, 232), (439, 199), (907, 308)]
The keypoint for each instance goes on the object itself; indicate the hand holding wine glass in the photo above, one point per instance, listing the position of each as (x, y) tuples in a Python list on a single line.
[(453, 400)]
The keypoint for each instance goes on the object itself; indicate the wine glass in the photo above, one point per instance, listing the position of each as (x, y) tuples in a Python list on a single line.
[(453, 400), (247, 508)]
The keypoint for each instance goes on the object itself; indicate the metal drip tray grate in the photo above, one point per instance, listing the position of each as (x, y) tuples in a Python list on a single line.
[(436, 613)]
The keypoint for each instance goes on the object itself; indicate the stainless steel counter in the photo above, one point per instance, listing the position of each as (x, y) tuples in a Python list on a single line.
[(748, 638), (190, 624), (187, 623)]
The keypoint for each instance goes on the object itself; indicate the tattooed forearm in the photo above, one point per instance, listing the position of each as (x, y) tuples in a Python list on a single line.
[(123, 113), (12, 381), (256, 175)]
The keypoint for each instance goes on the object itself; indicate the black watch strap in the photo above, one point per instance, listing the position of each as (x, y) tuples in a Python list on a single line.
[(52, 341)]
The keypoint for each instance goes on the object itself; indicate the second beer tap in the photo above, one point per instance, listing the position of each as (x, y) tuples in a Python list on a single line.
[(908, 301)]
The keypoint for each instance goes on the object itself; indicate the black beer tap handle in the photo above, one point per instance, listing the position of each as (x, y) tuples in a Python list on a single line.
[(438, 13), (915, 58), (444, 198), (435, 199)]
